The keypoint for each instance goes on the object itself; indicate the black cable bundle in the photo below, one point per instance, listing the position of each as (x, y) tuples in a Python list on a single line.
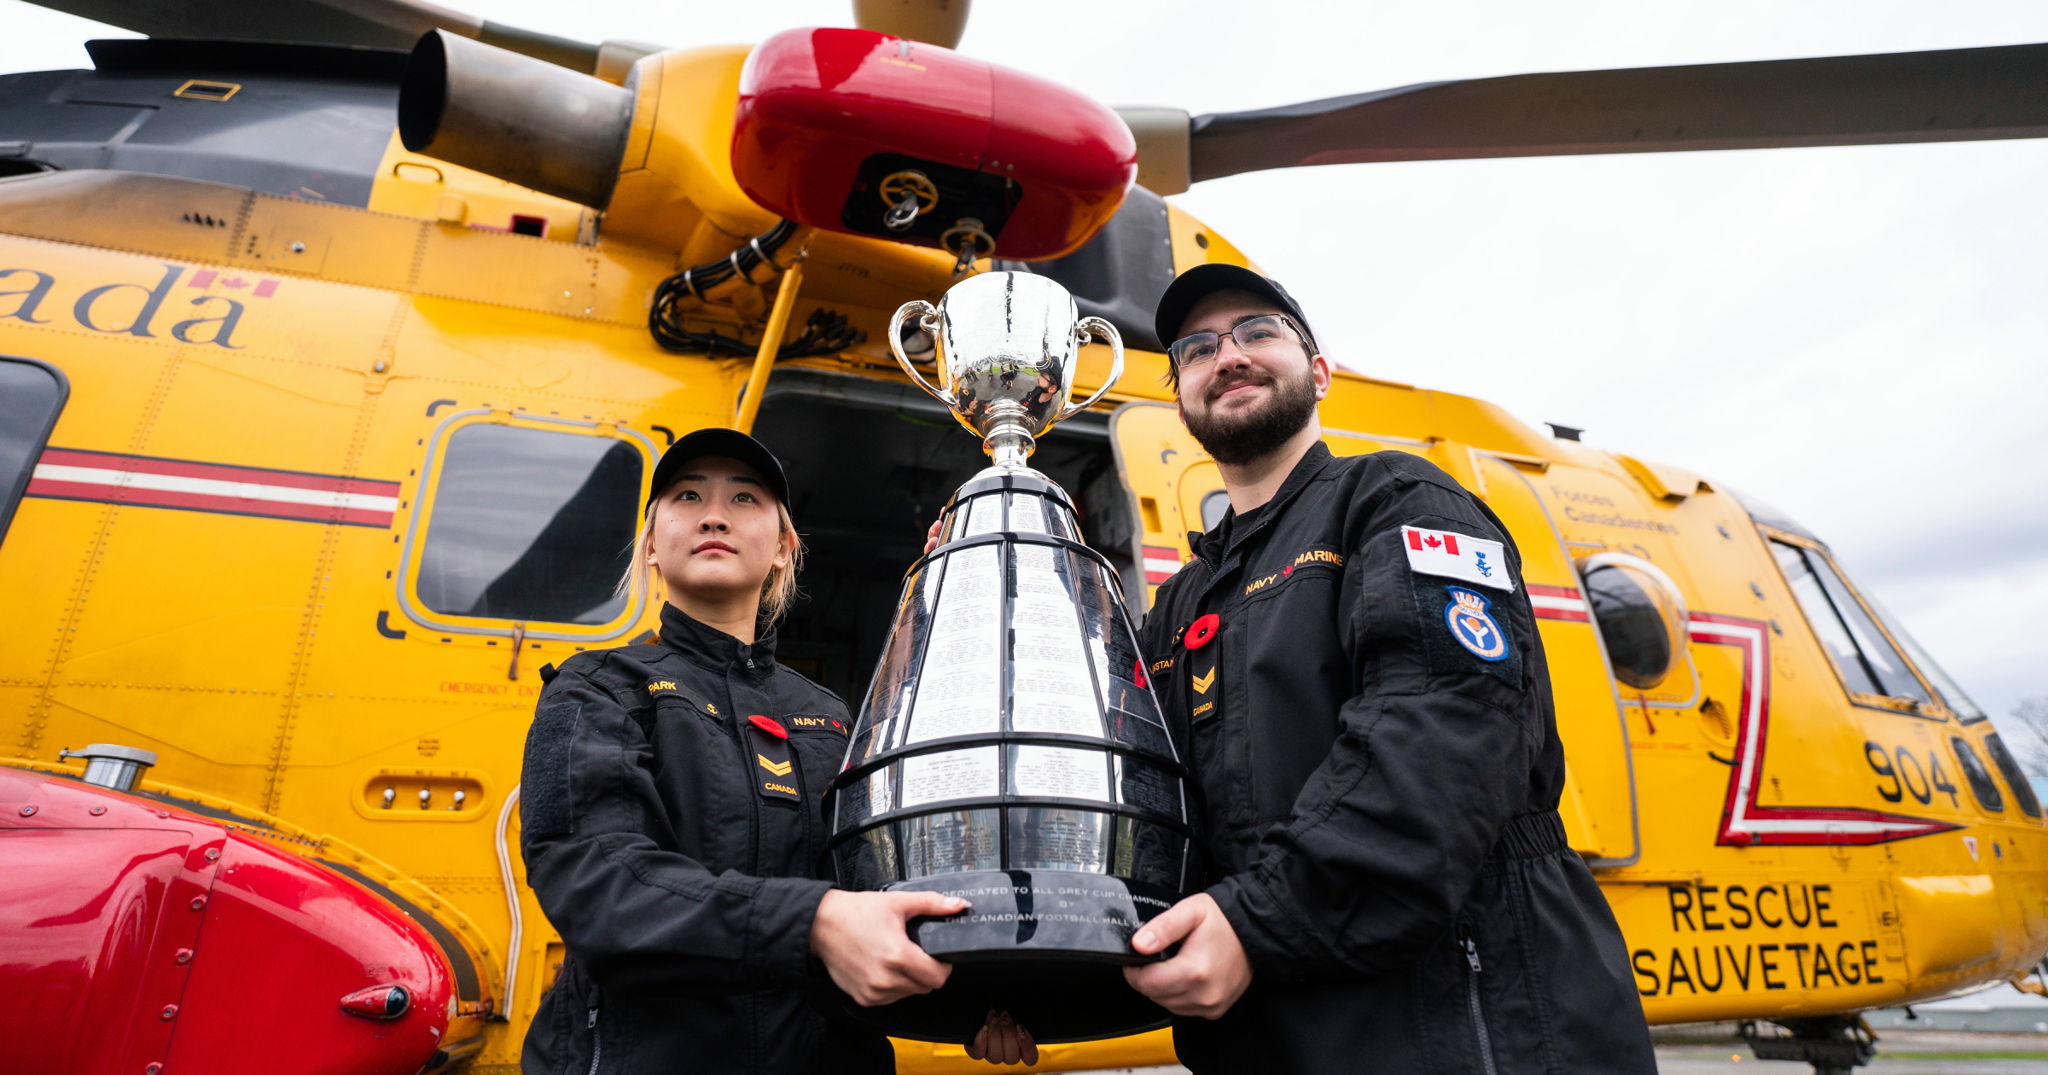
[(665, 319), (824, 333), (827, 332)]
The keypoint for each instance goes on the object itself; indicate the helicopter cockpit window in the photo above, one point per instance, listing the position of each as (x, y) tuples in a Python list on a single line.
[(1952, 695), (2015, 777), (1863, 656), (1214, 506), (530, 525), (31, 394), (1974, 774)]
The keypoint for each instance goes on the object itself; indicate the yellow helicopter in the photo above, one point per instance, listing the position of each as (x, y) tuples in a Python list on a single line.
[(312, 438)]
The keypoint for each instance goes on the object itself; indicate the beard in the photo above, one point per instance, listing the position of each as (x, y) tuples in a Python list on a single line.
[(1236, 439)]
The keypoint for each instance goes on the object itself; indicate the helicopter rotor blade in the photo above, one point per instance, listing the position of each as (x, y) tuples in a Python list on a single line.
[(1950, 95), (934, 22), (389, 24)]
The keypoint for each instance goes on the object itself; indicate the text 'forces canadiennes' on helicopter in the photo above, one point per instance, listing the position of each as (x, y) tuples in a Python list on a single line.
[(330, 380)]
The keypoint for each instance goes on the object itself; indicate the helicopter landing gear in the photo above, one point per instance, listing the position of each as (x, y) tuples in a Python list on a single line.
[(1833, 1044)]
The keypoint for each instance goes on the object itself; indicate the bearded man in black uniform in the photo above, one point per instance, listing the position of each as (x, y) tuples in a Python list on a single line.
[(1362, 697)]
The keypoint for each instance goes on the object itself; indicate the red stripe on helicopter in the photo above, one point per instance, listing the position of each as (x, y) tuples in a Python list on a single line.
[(1557, 603), (220, 488), (1161, 561), (1744, 820), (218, 472)]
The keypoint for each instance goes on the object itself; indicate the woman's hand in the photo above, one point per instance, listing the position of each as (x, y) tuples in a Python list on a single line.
[(931, 537), (1002, 1041), (863, 938)]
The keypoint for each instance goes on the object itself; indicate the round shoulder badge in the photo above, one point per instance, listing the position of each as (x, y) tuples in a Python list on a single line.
[(1473, 626)]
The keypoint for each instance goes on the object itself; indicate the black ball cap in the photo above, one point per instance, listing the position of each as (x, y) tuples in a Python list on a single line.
[(1202, 281), (730, 443)]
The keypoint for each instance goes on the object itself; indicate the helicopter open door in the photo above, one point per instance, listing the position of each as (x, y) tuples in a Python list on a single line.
[(1598, 805), (1176, 488)]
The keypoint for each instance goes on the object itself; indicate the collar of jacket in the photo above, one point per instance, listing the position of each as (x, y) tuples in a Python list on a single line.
[(1211, 546), (713, 648)]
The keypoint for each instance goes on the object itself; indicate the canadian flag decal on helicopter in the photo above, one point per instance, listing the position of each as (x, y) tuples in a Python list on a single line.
[(204, 278)]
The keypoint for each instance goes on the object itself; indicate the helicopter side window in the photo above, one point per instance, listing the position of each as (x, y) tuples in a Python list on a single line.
[(1863, 656), (530, 524), (1974, 774), (1640, 615), (2015, 777), (1214, 506), (31, 394)]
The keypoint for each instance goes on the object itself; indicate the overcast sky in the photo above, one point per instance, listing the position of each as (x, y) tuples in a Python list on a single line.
[(1855, 335)]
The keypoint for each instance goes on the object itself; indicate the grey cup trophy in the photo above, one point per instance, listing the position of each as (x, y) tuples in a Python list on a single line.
[(1009, 750)]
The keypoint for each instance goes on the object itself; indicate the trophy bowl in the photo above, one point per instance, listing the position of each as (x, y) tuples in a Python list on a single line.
[(1007, 344)]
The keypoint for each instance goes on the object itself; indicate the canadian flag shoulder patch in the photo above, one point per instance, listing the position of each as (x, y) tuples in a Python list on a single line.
[(1457, 556)]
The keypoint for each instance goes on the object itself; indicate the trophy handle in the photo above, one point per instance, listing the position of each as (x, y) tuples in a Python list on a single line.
[(1092, 326), (925, 311)]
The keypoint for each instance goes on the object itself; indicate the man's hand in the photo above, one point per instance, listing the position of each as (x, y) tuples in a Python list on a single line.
[(863, 938), (1210, 971), (1002, 1041)]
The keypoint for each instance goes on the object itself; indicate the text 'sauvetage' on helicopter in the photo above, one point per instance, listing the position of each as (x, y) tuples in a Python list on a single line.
[(330, 374)]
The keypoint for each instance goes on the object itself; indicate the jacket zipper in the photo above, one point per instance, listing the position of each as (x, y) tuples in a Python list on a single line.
[(803, 812), (742, 738), (1472, 994), (596, 1042)]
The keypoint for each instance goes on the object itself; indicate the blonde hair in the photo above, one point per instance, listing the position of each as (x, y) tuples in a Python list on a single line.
[(778, 590)]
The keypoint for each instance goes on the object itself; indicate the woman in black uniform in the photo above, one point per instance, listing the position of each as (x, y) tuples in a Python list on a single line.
[(671, 818)]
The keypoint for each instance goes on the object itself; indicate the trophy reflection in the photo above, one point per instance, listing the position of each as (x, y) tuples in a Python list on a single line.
[(1008, 750)]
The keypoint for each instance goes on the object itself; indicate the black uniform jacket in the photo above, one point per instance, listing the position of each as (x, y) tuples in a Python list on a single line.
[(1379, 788), (677, 846)]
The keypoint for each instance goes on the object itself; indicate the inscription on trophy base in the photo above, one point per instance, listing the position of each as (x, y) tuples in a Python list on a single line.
[(1049, 947)]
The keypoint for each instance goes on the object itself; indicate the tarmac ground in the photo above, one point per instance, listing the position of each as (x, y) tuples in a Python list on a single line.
[(1919, 1052), (1915, 1052)]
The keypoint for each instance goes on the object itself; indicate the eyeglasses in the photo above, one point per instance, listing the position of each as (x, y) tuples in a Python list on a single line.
[(1255, 334)]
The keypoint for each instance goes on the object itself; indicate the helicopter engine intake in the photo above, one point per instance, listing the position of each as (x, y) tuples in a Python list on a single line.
[(520, 119)]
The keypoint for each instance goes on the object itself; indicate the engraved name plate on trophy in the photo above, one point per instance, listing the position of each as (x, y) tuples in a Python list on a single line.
[(1008, 750)]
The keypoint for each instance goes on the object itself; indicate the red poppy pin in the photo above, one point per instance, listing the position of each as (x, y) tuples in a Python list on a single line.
[(1138, 672), (770, 725), (1200, 632)]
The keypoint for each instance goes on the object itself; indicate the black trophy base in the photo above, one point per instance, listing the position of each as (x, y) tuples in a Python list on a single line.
[(1047, 946)]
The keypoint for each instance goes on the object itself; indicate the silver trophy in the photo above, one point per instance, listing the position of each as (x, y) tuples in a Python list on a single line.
[(1007, 342), (1009, 749)]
